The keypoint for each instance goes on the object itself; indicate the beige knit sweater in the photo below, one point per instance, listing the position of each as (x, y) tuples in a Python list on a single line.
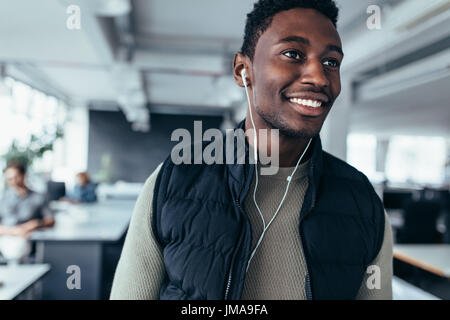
[(278, 268)]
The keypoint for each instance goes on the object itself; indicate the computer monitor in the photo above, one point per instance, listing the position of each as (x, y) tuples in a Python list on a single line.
[(55, 190), (396, 199)]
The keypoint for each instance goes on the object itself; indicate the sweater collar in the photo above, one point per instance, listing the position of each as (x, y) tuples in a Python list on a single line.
[(242, 174)]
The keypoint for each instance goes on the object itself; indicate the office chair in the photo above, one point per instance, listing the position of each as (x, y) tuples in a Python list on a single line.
[(420, 222)]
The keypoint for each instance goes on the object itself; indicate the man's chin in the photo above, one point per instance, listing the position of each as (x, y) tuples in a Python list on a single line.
[(298, 134), (288, 129)]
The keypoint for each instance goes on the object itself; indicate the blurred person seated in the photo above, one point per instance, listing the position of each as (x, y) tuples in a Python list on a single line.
[(21, 209), (84, 191)]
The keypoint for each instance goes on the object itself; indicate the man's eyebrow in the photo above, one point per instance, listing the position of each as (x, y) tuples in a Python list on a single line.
[(330, 47), (295, 39)]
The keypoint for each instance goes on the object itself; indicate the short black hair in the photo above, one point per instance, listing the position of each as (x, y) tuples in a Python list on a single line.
[(263, 11), (19, 166)]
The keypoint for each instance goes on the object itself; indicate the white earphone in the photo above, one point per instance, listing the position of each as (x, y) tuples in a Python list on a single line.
[(255, 155), (255, 139), (244, 74)]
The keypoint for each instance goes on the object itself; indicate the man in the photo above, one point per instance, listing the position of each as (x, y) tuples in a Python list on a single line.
[(197, 232), (21, 209)]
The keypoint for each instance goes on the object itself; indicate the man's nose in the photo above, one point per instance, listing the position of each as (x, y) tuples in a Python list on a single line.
[(313, 74)]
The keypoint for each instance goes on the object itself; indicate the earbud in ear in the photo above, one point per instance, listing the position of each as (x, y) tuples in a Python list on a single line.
[(244, 76)]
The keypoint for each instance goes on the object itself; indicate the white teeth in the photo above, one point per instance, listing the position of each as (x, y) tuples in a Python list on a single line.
[(305, 102)]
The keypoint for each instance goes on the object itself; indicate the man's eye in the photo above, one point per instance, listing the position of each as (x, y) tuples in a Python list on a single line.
[(293, 54), (331, 63)]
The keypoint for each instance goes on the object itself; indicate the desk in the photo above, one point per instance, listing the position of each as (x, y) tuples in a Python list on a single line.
[(402, 290), (434, 258), (106, 221), (81, 237), (17, 279)]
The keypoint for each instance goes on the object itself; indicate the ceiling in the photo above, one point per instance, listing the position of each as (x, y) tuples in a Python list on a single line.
[(176, 56)]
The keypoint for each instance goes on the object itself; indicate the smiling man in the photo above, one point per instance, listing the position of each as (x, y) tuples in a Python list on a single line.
[(314, 230)]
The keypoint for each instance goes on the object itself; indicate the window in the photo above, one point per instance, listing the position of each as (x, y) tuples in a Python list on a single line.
[(409, 159), (361, 153), (26, 112), (419, 160)]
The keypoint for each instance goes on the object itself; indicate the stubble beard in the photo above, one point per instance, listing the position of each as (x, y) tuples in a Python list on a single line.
[(275, 121)]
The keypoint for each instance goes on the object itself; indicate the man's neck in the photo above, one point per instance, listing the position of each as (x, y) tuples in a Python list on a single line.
[(290, 148)]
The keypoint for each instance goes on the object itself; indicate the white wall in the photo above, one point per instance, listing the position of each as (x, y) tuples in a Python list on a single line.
[(72, 151)]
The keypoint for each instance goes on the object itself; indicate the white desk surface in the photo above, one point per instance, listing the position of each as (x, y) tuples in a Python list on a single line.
[(16, 279), (434, 258), (402, 290), (103, 221)]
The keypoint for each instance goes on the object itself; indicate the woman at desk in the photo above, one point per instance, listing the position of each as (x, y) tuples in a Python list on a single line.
[(21, 209)]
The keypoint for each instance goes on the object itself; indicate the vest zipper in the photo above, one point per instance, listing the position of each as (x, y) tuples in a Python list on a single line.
[(246, 226), (227, 290), (308, 290), (308, 287)]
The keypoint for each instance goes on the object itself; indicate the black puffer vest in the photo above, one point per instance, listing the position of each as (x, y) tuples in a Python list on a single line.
[(200, 222)]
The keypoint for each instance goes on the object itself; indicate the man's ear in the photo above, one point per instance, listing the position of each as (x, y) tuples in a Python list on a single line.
[(240, 62)]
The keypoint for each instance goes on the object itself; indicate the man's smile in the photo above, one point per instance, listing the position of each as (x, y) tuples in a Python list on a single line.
[(309, 104)]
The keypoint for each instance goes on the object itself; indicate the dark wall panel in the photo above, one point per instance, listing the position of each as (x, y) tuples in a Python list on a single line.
[(134, 155)]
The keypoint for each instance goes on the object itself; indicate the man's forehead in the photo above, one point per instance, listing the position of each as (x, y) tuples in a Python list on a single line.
[(307, 23)]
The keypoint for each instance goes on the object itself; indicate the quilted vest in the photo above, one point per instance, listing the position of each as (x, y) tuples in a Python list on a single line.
[(200, 222)]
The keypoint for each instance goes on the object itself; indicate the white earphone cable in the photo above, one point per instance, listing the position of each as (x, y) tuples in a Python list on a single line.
[(255, 155)]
